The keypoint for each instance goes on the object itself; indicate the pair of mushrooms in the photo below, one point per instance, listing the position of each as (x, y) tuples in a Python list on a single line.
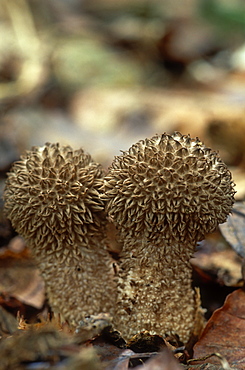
[(163, 195)]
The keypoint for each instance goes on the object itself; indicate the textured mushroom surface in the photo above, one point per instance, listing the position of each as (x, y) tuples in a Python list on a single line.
[(53, 200), (164, 194)]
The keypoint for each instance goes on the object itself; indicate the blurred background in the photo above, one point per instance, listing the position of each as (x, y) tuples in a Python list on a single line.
[(103, 74)]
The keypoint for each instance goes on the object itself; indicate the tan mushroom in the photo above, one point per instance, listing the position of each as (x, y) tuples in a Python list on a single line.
[(52, 197), (164, 194)]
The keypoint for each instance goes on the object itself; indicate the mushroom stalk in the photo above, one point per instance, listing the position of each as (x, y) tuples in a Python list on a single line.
[(164, 194), (52, 197)]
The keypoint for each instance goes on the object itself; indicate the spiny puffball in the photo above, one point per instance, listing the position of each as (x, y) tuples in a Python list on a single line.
[(164, 195), (53, 199)]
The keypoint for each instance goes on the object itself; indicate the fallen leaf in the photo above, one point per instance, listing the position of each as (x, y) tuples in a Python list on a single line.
[(20, 278), (122, 361), (223, 266), (8, 324), (225, 332), (234, 229), (163, 361)]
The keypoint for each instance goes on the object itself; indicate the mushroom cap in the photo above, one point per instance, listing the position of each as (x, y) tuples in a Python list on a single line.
[(52, 196), (169, 185)]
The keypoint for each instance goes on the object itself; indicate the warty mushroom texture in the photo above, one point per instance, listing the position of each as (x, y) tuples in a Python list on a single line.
[(164, 195), (52, 197)]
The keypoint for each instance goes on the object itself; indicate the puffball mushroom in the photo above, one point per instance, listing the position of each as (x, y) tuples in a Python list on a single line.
[(163, 194), (53, 199)]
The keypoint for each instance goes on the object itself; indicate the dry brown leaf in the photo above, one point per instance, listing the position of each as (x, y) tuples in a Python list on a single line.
[(8, 324), (225, 332), (163, 361), (122, 361), (234, 229), (223, 266), (19, 278)]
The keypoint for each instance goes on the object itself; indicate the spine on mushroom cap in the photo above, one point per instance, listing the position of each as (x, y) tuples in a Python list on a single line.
[(53, 199)]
